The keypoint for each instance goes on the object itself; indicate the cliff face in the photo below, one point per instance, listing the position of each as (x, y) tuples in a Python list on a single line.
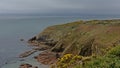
[(81, 37)]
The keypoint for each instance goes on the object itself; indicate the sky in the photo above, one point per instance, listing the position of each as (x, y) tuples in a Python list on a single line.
[(60, 7)]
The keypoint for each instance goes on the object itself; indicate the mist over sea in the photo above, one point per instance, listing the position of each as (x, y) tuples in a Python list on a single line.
[(14, 28)]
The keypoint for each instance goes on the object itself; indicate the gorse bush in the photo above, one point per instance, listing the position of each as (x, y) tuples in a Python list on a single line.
[(110, 60), (67, 61)]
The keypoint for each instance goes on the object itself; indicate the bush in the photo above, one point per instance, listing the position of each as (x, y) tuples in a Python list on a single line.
[(110, 60), (114, 51), (68, 60), (101, 62)]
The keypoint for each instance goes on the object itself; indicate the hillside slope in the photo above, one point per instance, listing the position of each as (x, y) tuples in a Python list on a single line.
[(81, 37)]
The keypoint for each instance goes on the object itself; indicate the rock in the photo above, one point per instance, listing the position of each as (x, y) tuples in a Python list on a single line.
[(46, 58), (22, 59), (27, 53), (27, 66), (35, 57), (32, 39), (40, 48), (21, 39)]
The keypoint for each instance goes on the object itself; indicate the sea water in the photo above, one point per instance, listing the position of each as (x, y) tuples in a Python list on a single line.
[(14, 28)]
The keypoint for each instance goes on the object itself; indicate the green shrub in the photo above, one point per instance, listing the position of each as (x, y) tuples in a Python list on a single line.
[(101, 62), (114, 52), (110, 60)]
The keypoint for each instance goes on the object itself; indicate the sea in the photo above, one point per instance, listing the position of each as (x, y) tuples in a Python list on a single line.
[(14, 28)]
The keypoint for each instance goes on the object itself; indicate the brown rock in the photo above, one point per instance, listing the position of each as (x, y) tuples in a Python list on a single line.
[(27, 66)]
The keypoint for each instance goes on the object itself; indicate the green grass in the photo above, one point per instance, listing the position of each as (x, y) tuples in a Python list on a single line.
[(110, 60)]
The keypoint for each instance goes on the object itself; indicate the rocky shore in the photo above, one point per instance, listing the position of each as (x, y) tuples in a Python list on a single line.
[(83, 38), (46, 57), (27, 53)]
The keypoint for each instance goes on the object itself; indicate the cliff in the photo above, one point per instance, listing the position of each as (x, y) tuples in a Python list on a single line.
[(81, 37)]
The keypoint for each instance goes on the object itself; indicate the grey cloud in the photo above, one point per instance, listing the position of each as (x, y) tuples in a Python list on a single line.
[(60, 6)]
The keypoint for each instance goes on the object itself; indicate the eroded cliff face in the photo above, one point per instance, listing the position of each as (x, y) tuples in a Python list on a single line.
[(81, 37)]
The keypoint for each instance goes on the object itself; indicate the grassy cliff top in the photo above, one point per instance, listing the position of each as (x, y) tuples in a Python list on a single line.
[(82, 37)]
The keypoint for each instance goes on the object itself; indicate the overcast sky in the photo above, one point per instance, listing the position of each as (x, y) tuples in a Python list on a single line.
[(60, 6)]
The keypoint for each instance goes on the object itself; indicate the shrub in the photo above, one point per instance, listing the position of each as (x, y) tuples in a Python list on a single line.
[(68, 60), (114, 51), (110, 60)]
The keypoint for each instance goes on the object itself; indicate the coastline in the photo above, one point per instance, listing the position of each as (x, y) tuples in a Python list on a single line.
[(12, 37), (63, 41), (26, 60), (46, 57), (52, 39)]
